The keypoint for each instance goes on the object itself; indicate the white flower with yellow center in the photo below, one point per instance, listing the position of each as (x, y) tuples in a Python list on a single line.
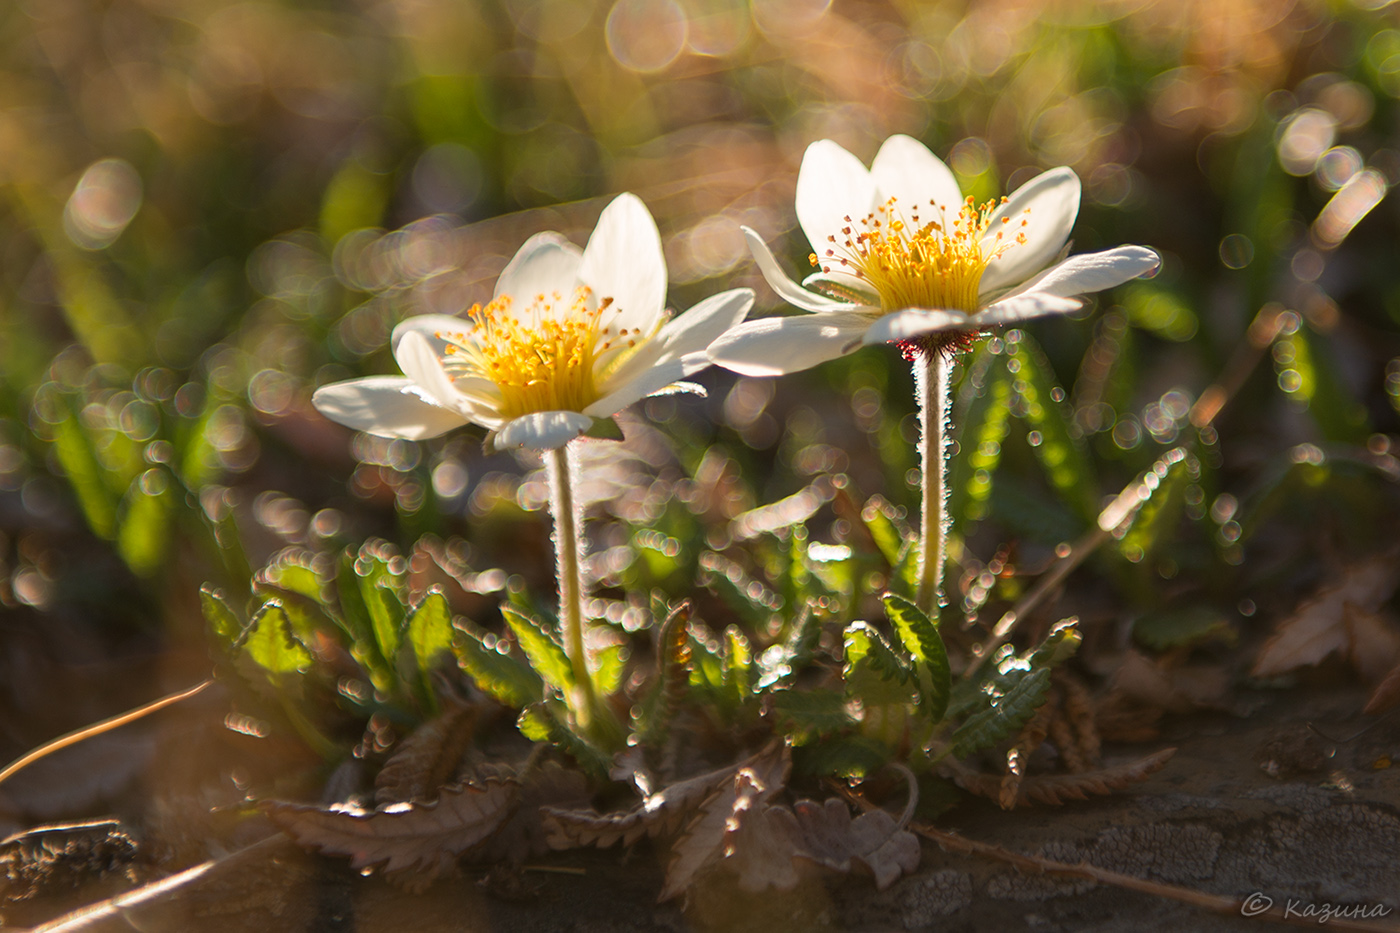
[(901, 255), (571, 336)]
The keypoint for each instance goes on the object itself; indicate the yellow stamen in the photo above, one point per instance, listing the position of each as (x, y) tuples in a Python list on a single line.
[(911, 264), (547, 359)]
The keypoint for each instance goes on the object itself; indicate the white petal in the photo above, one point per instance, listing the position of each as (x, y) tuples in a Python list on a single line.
[(1053, 199), (653, 380), (422, 365), (546, 263), (542, 430), (855, 289), (692, 331), (777, 345), (787, 289), (429, 325), (904, 169), (623, 261), (1023, 308), (911, 322), (1094, 272), (380, 405), (831, 185)]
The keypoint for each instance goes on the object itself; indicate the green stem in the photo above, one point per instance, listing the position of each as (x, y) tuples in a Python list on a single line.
[(568, 551), (932, 388)]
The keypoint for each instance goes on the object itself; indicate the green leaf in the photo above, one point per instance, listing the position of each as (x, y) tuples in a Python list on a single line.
[(609, 662), (429, 629), (1004, 716), (749, 599), (73, 445), (738, 664), (1178, 628), (921, 639), (805, 715), (874, 674), (840, 756), (270, 643), (223, 621), (143, 535), (1061, 452), (878, 516), (1164, 486), (291, 570), (985, 422), (546, 654), (1058, 647), (546, 722), (508, 679)]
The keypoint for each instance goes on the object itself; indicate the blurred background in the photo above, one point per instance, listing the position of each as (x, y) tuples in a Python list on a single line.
[(207, 209)]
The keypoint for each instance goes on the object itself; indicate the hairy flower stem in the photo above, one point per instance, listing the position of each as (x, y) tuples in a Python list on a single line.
[(932, 387), (561, 467)]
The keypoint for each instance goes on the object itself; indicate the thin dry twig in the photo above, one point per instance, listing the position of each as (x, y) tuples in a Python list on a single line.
[(106, 725)]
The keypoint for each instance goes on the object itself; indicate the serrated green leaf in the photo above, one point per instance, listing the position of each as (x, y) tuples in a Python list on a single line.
[(1061, 452), (270, 643), (874, 674), (546, 655), (1058, 647), (1165, 486), (737, 588), (921, 639), (840, 756), (291, 570), (223, 621), (508, 679), (738, 664), (609, 663), (806, 715), (546, 722), (1004, 716), (429, 629), (143, 531)]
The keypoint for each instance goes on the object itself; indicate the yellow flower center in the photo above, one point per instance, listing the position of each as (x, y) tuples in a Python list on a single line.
[(548, 359), (911, 263)]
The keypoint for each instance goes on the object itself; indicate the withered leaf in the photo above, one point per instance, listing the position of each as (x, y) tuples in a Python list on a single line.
[(424, 837), (759, 779), (661, 813), (1386, 694), (524, 834), (1175, 689), (428, 758), (1055, 789), (1319, 626), (832, 839), (1373, 642)]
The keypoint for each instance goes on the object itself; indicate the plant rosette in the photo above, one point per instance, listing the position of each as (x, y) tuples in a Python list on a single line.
[(571, 337), (901, 255)]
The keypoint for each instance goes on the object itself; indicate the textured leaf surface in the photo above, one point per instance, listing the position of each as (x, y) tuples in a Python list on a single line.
[(423, 837), (1005, 716)]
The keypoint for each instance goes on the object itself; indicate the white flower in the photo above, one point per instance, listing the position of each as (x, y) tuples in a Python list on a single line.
[(570, 336), (909, 259)]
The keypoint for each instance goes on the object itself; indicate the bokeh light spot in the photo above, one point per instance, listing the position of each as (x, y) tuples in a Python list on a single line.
[(646, 35)]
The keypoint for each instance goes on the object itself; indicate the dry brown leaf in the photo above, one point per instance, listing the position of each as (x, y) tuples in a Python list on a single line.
[(1386, 694), (524, 835), (423, 837), (765, 775), (832, 839), (1055, 789), (428, 758), (1374, 642), (663, 812), (1318, 628), (1176, 689)]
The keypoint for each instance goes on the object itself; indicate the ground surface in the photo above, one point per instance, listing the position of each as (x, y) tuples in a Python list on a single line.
[(1324, 830)]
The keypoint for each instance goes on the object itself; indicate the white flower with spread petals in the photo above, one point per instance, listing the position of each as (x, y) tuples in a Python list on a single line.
[(571, 336), (902, 256)]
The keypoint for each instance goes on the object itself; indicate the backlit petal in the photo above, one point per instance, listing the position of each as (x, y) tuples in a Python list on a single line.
[(777, 345), (1094, 272), (1053, 200), (545, 264), (787, 289), (384, 406), (1024, 307), (623, 261), (904, 169), (831, 184)]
